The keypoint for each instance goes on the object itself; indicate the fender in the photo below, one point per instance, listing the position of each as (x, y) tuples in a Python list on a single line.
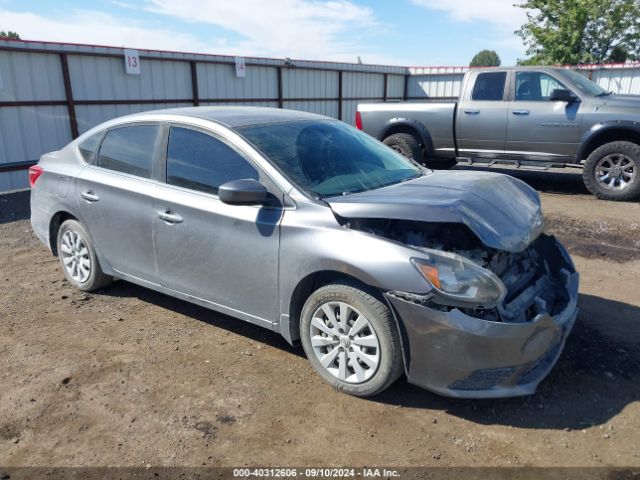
[(603, 127), (418, 127)]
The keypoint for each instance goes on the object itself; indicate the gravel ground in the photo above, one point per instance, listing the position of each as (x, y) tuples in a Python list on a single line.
[(128, 377)]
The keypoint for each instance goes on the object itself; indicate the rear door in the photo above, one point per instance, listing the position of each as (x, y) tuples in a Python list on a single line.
[(115, 198), (539, 128), (220, 253), (482, 119)]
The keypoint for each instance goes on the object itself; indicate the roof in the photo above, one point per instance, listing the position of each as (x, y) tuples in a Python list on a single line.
[(238, 116)]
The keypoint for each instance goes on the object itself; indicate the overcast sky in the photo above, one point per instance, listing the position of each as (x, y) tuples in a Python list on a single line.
[(400, 32)]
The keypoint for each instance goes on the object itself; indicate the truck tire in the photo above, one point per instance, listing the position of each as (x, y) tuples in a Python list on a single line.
[(367, 335), (611, 171), (406, 145)]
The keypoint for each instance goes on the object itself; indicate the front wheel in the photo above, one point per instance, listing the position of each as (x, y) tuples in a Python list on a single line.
[(611, 171), (350, 338)]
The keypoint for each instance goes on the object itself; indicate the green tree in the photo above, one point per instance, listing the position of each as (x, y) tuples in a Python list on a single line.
[(580, 31), (485, 58), (9, 35)]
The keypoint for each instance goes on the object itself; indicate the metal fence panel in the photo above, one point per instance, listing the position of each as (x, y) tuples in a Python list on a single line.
[(27, 133), (220, 81), (104, 78), (309, 83), (30, 76), (322, 107)]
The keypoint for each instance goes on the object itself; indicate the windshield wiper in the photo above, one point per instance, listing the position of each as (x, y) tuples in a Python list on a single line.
[(604, 94)]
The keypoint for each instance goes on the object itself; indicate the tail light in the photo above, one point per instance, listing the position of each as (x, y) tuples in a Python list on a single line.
[(358, 121), (34, 173)]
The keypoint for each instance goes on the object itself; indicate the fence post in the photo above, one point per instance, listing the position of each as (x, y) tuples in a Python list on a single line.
[(405, 94), (386, 82), (68, 92), (194, 84), (280, 97), (340, 95)]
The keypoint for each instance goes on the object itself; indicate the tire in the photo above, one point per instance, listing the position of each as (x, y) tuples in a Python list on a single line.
[(78, 258), (623, 158), (379, 333), (405, 144)]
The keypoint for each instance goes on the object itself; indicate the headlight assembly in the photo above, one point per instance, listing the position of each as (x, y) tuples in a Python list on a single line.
[(459, 282)]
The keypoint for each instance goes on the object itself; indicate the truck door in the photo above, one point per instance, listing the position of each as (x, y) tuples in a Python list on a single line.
[(482, 119), (538, 128)]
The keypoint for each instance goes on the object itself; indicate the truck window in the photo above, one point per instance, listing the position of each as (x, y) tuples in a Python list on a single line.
[(489, 86), (535, 86)]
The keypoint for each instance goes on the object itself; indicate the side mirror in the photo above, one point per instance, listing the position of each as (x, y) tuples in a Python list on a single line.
[(243, 192), (562, 95)]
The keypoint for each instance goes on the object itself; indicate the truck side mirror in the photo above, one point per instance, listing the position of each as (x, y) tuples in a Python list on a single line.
[(563, 95)]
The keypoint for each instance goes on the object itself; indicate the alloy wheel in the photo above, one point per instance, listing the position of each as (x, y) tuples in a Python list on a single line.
[(616, 171), (75, 256), (344, 342)]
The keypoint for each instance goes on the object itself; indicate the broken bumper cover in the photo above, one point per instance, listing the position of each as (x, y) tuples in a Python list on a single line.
[(456, 355)]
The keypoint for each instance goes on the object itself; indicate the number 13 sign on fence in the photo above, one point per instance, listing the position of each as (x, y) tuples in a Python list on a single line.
[(131, 61)]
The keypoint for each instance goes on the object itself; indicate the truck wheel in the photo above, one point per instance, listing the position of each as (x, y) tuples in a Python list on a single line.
[(350, 339), (78, 258), (611, 171), (405, 144)]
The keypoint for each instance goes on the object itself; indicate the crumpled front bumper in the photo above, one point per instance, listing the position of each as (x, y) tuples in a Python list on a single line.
[(456, 355)]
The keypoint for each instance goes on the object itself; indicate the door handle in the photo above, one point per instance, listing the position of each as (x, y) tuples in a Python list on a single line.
[(89, 196), (472, 111), (520, 112), (168, 216)]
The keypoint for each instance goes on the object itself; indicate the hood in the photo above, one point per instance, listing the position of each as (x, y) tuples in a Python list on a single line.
[(622, 101), (502, 211)]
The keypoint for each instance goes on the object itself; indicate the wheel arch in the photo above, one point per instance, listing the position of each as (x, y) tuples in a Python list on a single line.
[(56, 221), (411, 127), (606, 133), (304, 288)]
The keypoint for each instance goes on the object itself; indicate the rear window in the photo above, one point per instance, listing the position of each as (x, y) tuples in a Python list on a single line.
[(129, 150), (89, 146), (489, 86)]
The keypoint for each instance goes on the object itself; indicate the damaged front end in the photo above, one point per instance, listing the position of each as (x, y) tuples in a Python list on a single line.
[(493, 322)]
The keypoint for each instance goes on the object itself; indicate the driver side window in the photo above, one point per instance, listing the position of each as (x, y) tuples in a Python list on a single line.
[(198, 161), (535, 86)]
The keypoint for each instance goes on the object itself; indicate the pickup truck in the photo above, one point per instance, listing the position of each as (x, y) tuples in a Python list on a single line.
[(528, 116)]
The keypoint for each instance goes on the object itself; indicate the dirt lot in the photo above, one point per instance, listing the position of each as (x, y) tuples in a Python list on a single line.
[(126, 376)]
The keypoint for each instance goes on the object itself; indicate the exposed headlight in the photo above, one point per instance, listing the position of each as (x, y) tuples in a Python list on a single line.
[(458, 281)]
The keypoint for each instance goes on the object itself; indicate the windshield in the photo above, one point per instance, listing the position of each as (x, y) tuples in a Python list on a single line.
[(583, 84), (329, 158)]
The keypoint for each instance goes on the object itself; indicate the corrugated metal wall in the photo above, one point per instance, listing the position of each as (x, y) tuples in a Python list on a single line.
[(42, 106), (50, 92)]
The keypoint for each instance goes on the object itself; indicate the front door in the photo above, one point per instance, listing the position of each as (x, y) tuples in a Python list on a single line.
[(224, 254), (115, 198), (538, 127), (482, 119)]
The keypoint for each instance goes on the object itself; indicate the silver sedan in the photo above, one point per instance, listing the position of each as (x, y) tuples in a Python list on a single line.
[(311, 228)]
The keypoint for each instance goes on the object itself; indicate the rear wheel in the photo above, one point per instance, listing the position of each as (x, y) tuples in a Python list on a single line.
[(406, 145), (611, 171), (350, 338), (78, 257)]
